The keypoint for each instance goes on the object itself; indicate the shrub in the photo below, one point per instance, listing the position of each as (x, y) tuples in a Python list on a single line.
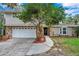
[(77, 31)]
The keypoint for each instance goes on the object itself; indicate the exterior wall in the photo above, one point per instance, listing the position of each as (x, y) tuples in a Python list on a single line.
[(73, 31), (70, 31), (55, 31)]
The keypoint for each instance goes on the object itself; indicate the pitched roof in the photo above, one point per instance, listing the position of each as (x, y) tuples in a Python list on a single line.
[(66, 25), (13, 21)]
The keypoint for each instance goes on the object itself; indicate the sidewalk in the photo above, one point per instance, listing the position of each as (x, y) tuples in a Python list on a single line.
[(38, 48)]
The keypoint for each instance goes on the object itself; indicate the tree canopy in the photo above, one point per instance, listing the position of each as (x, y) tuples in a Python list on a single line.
[(76, 19), (41, 13)]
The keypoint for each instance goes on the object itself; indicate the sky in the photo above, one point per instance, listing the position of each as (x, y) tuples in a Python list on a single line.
[(70, 8)]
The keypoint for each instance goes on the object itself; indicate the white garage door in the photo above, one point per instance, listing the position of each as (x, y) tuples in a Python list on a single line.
[(24, 33)]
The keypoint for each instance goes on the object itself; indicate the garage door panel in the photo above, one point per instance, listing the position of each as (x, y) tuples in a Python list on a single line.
[(24, 33)]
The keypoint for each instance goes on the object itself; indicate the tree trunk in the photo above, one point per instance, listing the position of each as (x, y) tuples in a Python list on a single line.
[(0, 37), (39, 32)]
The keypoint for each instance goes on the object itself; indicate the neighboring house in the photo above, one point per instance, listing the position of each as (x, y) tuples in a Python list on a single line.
[(18, 29)]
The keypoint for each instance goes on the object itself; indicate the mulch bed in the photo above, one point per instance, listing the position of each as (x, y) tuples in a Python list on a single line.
[(40, 40), (4, 38)]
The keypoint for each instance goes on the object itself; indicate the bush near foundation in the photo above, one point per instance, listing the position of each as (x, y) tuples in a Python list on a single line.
[(77, 31)]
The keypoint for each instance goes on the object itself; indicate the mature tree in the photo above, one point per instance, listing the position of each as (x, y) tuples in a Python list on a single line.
[(76, 19), (73, 19), (68, 20), (39, 14)]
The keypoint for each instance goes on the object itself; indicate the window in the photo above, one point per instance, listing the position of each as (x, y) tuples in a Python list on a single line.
[(64, 30)]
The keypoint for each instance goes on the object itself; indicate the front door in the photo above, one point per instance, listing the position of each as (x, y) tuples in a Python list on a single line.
[(45, 31)]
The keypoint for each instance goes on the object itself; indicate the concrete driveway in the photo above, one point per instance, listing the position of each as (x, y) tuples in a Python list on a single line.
[(15, 47)]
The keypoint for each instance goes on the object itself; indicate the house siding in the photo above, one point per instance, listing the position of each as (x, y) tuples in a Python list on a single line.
[(55, 31), (71, 31)]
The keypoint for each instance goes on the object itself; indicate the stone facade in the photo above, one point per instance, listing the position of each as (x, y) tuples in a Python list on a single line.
[(8, 31)]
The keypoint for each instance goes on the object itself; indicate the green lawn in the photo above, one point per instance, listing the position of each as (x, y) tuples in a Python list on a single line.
[(70, 46)]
